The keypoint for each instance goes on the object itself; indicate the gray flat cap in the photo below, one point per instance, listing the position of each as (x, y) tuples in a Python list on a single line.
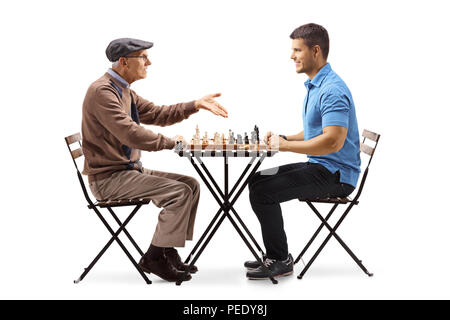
[(124, 46)]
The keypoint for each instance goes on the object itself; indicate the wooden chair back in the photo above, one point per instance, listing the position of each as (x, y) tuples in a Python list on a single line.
[(375, 137), (76, 153)]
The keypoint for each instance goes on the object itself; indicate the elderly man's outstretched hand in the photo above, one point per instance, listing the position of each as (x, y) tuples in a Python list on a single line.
[(208, 103)]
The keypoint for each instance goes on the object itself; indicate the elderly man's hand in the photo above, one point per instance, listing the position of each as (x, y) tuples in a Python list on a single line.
[(208, 103), (178, 138)]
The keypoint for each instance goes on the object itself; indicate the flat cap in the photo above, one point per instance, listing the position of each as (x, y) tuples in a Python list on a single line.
[(124, 46)]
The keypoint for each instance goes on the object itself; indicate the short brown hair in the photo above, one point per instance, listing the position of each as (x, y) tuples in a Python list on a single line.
[(313, 34)]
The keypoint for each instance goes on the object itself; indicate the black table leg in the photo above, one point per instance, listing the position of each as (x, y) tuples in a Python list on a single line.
[(191, 254), (225, 206), (205, 169)]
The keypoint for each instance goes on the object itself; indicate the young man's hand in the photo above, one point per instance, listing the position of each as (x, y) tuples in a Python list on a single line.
[(275, 142), (267, 137), (208, 103)]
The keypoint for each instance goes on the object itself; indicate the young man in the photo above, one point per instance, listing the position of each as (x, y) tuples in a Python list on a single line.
[(330, 139), (113, 138)]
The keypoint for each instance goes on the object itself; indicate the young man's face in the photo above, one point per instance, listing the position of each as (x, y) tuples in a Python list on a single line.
[(137, 67), (303, 56)]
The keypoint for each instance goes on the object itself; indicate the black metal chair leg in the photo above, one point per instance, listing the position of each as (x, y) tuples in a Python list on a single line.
[(126, 232), (308, 265), (100, 254), (333, 233), (314, 235), (119, 242), (91, 265)]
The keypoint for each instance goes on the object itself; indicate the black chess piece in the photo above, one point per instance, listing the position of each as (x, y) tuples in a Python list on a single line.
[(246, 141), (179, 146), (257, 133)]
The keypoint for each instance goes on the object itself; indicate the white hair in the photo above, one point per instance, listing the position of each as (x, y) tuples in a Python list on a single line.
[(115, 64)]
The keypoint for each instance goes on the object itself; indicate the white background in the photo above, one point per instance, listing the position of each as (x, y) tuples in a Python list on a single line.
[(393, 55)]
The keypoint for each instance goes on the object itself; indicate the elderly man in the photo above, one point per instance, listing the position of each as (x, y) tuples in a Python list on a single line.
[(112, 140), (330, 139)]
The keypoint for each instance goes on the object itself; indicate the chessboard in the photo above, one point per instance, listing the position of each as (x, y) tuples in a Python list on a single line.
[(220, 142), (226, 146)]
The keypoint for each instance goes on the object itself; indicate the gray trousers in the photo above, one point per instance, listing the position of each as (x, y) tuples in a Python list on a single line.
[(177, 194)]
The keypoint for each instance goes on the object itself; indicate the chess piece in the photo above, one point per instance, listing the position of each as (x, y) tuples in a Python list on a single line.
[(239, 139), (246, 139), (257, 134), (197, 132), (179, 146), (196, 138), (216, 138), (205, 139), (232, 139), (253, 137)]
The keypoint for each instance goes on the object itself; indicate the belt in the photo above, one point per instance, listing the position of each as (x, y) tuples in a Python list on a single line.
[(104, 175), (100, 176)]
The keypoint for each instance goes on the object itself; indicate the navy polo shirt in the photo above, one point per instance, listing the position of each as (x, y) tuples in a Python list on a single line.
[(328, 102)]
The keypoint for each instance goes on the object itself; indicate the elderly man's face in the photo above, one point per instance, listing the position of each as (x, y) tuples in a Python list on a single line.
[(137, 63)]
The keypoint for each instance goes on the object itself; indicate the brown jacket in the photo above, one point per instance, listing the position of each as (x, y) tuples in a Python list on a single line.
[(107, 126)]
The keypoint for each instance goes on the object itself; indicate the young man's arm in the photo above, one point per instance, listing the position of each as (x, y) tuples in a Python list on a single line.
[(331, 140), (334, 109), (297, 137)]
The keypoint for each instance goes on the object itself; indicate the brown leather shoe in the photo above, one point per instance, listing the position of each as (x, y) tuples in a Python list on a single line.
[(173, 256), (163, 269)]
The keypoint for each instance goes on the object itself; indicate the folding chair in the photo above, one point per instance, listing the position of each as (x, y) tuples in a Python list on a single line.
[(337, 201), (137, 203)]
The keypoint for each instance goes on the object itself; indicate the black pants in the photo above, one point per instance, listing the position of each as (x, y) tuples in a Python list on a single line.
[(269, 188)]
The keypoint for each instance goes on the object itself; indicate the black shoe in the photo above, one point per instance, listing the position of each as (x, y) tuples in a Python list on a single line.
[(251, 265), (277, 268), (163, 269), (174, 258)]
